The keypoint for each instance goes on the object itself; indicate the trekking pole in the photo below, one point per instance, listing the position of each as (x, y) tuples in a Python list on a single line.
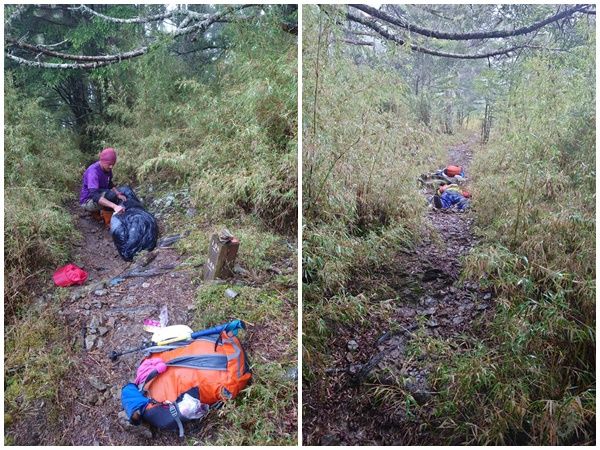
[(114, 355)]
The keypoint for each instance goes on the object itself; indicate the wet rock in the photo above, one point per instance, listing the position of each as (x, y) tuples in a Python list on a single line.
[(429, 311), (90, 340), (143, 432), (90, 397), (97, 384), (94, 324), (352, 345), (96, 304), (458, 320), (427, 301), (98, 286), (395, 354), (81, 293), (418, 390), (329, 439), (240, 270), (443, 292), (100, 292), (122, 417), (115, 392), (169, 200), (406, 312), (275, 270), (354, 369)]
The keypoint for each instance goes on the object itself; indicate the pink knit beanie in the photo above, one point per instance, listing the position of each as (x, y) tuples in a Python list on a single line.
[(108, 155)]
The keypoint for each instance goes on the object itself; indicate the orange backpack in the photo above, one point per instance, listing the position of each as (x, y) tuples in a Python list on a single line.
[(452, 171), (212, 369)]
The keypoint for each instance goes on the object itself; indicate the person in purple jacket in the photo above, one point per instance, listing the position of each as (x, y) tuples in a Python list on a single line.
[(97, 190)]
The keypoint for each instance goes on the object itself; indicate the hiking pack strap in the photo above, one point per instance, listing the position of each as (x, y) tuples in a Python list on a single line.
[(211, 362), (175, 413)]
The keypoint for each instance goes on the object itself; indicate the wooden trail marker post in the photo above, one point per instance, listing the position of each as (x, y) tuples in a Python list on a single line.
[(222, 252)]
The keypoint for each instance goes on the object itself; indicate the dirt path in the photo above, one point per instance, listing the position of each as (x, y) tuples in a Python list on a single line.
[(362, 402), (102, 318)]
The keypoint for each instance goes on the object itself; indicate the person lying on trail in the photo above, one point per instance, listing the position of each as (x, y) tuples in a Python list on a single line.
[(97, 190), (449, 195)]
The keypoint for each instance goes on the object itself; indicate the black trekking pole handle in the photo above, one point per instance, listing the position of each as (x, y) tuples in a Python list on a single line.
[(114, 355)]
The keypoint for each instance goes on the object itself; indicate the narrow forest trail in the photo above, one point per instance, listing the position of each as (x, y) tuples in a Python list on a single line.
[(364, 399), (100, 317)]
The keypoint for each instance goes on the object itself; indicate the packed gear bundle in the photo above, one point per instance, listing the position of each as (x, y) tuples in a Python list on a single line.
[(135, 229), (185, 379), (446, 186)]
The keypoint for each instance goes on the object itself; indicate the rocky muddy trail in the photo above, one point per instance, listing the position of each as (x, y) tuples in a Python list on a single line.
[(107, 313), (377, 390), (104, 317)]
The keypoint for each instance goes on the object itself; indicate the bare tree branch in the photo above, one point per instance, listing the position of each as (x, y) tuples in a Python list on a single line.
[(178, 11), (44, 65), (88, 10), (383, 32), (42, 49), (466, 36), (92, 62), (353, 42), (54, 45)]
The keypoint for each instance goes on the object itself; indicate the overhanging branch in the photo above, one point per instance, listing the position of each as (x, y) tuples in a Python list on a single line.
[(95, 61), (382, 15), (82, 58), (383, 32), (179, 11), (45, 65)]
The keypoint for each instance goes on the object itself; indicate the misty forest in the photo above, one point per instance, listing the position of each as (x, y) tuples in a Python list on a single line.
[(448, 224)]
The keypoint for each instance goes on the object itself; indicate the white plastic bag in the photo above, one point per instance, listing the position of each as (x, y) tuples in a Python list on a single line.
[(191, 408)]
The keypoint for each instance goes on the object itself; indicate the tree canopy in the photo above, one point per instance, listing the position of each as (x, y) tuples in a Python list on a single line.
[(396, 25)]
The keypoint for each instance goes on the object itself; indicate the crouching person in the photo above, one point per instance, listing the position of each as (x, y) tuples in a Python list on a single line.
[(97, 190)]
